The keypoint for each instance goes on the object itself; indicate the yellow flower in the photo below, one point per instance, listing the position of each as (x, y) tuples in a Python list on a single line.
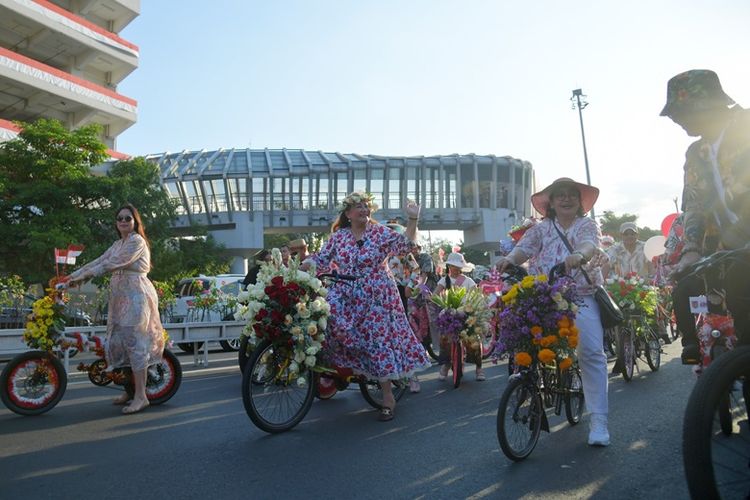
[(522, 359), (566, 363), (546, 356), (527, 281), (541, 278)]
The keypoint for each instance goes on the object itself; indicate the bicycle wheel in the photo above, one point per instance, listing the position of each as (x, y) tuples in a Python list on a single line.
[(230, 345), (163, 379), (653, 349), (610, 349), (626, 352), (574, 400), (519, 419), (273, 398), (373, 394), (33, 383), (716, 465), (457, 361), (427, 344), (98, 373)]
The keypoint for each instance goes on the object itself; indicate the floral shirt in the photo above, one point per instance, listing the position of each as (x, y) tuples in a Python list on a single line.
[(545, 248), (405, 270), (716, 186), (368, 329), (624, 262)]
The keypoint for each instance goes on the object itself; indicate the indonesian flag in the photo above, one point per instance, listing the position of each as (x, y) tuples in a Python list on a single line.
[(61, 255), (73, 252)]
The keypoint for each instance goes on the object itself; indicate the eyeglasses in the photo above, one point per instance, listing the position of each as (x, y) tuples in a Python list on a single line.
[(124, 218), (567, 194)]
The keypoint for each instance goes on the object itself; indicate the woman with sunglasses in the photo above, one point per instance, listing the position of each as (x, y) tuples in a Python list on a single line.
[(134, 331)]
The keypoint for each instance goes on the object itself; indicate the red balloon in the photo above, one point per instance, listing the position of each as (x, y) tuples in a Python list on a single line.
[(666, 224)]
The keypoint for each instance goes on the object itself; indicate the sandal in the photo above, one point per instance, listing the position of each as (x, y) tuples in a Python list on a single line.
[(131, 408), (122, 400), (386, 414)]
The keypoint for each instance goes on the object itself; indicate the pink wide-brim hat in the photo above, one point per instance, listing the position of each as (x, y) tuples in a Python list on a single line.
[(589, 194)]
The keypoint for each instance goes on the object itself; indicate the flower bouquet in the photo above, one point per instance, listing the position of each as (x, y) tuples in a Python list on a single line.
[(464, 315), (517, 231), (46, 323), (538, 321), (287, 307), (634, 295)]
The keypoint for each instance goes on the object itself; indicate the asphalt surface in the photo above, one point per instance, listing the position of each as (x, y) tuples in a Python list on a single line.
[(441, 444)]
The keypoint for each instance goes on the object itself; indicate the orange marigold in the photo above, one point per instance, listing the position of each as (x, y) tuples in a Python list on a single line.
[(548, 340), (563, 322), (566, 363), (522, 359), (564, 332), (573, 341), (536, 330), (546, 356), (574, 330)]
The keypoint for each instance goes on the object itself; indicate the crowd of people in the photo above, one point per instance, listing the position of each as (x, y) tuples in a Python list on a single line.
[(370, 329)]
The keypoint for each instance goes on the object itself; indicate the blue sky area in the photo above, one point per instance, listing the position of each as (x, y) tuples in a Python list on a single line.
[(435, 77)]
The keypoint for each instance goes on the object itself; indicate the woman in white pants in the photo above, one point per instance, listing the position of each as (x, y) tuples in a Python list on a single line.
[(564, 204)]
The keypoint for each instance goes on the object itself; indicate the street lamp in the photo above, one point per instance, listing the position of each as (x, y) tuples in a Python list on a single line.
[(578, 100)]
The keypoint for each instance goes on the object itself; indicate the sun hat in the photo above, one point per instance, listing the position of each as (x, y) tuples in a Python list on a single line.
[(300, 242), (628, 226), (589, 194), (458, 260), (695, 90)]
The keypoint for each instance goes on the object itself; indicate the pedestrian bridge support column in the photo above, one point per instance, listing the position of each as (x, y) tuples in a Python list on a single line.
[(494, 227)]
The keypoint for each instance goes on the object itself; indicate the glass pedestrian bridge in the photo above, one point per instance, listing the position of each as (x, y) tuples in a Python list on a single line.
[(238, 194)]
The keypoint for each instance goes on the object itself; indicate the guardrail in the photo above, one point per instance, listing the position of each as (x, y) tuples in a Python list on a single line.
[(11, 341)]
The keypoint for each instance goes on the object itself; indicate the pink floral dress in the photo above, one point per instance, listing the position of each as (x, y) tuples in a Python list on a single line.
[(368, 330), (544, 247), (134, 331)]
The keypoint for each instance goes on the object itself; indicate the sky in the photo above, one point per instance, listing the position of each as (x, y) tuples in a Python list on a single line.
[(433, 77)]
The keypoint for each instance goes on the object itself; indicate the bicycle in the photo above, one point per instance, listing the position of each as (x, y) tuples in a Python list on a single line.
[(636, 339), (531, 391), (272, 396), (34, 382), (716, 435)]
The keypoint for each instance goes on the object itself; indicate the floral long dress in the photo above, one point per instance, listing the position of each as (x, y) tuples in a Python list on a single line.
[(134, 331), (368, 329)]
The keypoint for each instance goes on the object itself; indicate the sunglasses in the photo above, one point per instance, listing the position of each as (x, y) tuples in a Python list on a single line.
[(124, 218)]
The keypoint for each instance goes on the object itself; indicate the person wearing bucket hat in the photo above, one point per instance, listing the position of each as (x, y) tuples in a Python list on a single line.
[(716, 187), (368, 330), (627, 256), (456, 265), (563, 205)]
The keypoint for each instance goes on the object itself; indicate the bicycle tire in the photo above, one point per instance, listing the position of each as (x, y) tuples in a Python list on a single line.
[(427, 344), (162, 379), (97, 373), (230, 345), (372, 393), (457, 361), (33, 383), (653, 349), (574, 398), (519, 413), (267, 387), (626, 352), (710, 457)]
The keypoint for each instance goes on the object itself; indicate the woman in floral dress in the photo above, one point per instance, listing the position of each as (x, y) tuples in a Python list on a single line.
[(135, 335), (368, 329)]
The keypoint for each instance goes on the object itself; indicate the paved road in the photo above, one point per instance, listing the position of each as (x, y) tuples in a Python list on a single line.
[(442, 444)]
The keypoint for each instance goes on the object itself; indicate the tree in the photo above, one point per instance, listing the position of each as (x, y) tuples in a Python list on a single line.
[(610, 224), (50, 199)]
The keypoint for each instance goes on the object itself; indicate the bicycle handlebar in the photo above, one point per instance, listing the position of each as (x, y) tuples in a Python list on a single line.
[(338, 277), (706, 263)]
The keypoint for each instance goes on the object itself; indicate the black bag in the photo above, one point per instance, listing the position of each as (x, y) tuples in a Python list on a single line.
[(609, 311)]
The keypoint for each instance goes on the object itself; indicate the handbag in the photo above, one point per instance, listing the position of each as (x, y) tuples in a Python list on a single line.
[(609, 312)]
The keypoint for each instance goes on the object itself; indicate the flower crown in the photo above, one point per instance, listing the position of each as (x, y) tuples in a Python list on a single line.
[(355, 198)]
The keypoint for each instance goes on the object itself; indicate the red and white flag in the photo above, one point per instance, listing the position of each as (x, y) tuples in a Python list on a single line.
[(73, 252), (61, 255)]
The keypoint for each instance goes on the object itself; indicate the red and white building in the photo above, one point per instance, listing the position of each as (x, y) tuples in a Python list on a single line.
[(64, 59)]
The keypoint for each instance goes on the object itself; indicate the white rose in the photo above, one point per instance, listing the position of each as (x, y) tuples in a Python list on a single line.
[(323, 292), (299, 356), (288, 320), (304, 313), (310, 361), (312, 329), (323, 323), (301, 382), (296, 330), (293, 367), (311, 351)]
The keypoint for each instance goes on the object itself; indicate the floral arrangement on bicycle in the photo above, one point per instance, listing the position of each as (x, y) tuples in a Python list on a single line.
[(634, 295), (287, 307), (464, 315), (46, 323), (538, 321)]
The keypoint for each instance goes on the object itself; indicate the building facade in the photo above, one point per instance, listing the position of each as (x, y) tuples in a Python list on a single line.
[(64, 59), (240, 194)]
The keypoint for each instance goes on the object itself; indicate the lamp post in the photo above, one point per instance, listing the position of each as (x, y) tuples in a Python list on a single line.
[(578, 99)]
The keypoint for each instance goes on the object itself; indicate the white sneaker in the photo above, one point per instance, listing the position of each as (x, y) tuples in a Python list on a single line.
[(443, 374), (598, 433)]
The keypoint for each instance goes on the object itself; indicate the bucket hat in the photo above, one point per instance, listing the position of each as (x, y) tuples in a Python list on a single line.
[(458, 260), (589, 194), (695, 90)]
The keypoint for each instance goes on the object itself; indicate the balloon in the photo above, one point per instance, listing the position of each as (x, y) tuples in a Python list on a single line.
[(666, 224), (654, 246)]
